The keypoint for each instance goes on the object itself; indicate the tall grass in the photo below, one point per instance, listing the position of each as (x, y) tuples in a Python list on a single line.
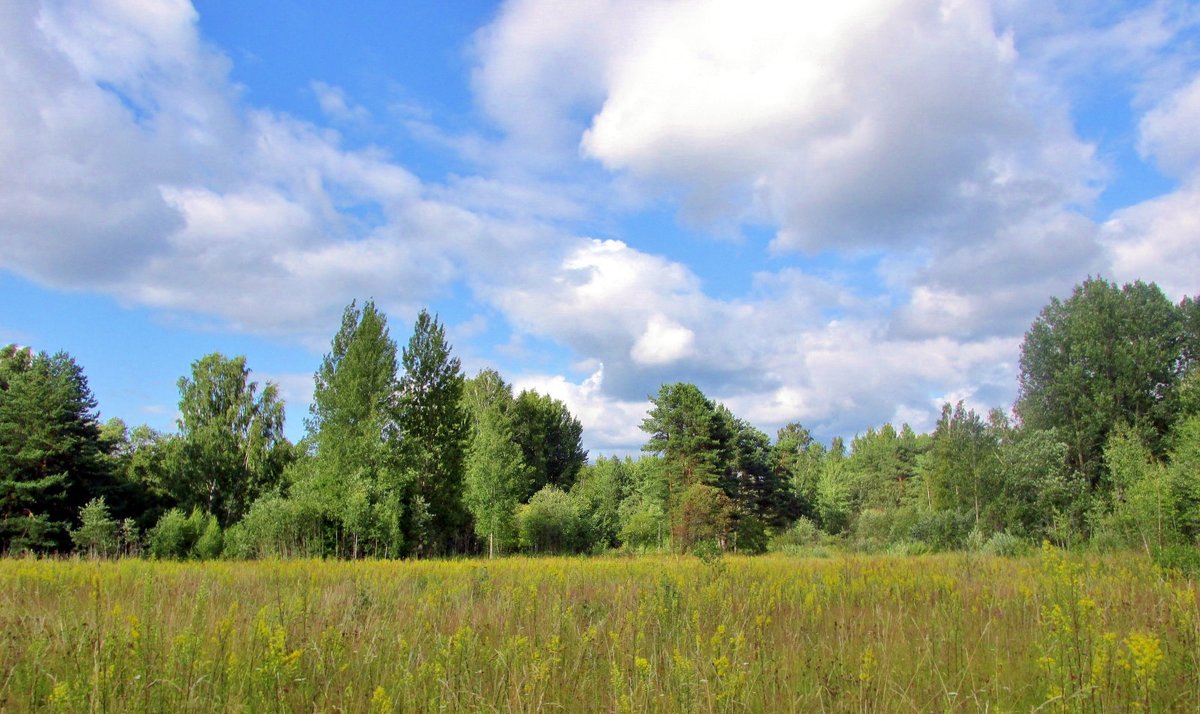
[(935, 633)]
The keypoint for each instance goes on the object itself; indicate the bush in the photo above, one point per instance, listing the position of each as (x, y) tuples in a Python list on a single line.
[(704, 513), (1006, 545), (176, 537), (210, 543), (97, 533), (1184, 558), (171, 538), (802, 534), (549, 523), (277, 527), (750, 536), (643, 524)]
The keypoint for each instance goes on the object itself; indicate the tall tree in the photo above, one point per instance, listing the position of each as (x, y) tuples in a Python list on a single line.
[(51, 455), (231, 443), (796, 457), (497, 478), (686, 430), (434, 428), (955, 469), (1103, 356), (758, 490), (550, 438), (355, 465)]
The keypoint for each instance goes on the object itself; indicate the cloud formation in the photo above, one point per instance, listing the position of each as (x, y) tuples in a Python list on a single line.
[(915, 162)]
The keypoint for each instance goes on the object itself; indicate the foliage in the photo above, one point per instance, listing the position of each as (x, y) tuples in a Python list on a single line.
[(497, 477), (352, 494), (644, 524), (598, 494), (98, 534), (434, 432), (550, 438), (231, 443), (1143, 510), (704, 513), (1106, 355), (52, 459), (690, 436), (1005, 545), (180, 537), (550, 523)]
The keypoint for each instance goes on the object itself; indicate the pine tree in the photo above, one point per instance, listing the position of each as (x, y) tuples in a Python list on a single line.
[(51, 455), (434, 430)]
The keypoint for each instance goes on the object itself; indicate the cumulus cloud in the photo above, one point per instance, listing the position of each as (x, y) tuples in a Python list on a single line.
[(611, 425), (927, 139), (1159, 239), (132, 166), (845, 125), (663, 342)]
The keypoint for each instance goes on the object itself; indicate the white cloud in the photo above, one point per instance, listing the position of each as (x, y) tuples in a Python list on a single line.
[(1168, 131), (663, 342), (131, 166), (336, 105), (920, 136), (610, 425), (1159, 240), (846, 124)]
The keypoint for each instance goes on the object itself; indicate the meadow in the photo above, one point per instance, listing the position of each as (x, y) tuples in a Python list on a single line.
[(957, 632)]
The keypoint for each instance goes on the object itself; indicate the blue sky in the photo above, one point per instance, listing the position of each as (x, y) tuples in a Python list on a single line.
[(839, 214)]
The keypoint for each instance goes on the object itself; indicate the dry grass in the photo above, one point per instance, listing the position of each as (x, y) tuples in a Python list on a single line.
[(939, 633)]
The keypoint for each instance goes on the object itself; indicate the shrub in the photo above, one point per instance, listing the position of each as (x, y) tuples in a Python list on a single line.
[(176, 537), (97, 532), (750, 536), (549, 523), (277, 527), (1184, 558), (704, 513), (643, 524), (803, 533), (1006, 545), (210, 543)]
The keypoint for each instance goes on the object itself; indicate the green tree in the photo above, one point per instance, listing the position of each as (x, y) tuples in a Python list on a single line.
[(551, 439), (550, 523), (356, 473), (763, 494), (834, 506), (796, 457), (880, 467), (1103, 356), (954, 472), (690, 436), (1185, 475), (434, 431), (1037, 495), (97, 533), (497, 478), (598, 494), (231, 442), (52, 457), (1144, 509), (704, 514)]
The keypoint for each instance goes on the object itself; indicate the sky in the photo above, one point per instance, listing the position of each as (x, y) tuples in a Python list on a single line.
[(841, 214)]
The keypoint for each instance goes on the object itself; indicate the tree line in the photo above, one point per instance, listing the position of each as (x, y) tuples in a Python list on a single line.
[(404, 456)]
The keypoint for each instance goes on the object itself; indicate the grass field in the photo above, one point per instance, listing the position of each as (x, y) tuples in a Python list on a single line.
[(772, 633)]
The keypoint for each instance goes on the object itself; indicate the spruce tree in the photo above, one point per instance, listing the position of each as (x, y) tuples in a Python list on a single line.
[(434, 430), (51, 455)]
